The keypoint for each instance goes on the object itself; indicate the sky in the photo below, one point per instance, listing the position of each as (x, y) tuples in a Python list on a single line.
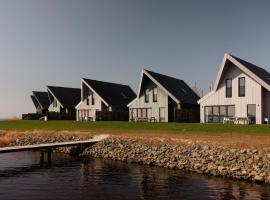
[(58, 42)]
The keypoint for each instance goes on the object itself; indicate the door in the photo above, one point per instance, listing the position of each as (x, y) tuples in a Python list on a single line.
[(251, 113), (161, 114)]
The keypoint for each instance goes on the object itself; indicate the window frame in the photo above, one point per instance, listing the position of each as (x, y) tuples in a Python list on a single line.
[(227, 93), (155, 99), (241, 89), (146, 96)]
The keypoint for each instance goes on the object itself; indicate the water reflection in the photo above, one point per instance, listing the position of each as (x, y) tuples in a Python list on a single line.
[(24, 176)]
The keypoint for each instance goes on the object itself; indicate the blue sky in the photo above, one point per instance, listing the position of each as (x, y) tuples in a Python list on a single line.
[(56, 42)]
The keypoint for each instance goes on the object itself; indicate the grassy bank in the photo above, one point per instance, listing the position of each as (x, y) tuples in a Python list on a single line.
[(126, 127)]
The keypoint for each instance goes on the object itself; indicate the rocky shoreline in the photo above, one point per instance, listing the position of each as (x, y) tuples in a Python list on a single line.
[(242, 164)]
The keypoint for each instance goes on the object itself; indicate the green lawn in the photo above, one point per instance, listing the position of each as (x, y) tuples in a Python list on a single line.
[(134, 127)]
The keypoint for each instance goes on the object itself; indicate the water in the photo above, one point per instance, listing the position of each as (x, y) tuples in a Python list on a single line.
[(24, 176)]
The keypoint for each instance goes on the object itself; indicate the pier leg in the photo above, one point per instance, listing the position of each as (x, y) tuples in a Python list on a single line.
[(41, 157), (49, 156)]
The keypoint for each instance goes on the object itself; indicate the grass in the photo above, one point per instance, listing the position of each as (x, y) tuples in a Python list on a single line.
[(125, 127)]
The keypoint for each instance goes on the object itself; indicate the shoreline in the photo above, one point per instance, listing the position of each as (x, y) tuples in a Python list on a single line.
[(248, 164)]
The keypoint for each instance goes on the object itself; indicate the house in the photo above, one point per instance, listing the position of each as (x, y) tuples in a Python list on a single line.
[(240, 92), (103, 98), (63, 100), (41, 101), (161, 98)]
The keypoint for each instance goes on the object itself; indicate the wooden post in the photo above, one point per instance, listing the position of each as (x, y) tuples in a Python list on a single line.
[(49, 156)]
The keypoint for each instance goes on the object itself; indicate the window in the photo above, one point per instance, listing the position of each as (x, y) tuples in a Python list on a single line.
[(216, 114), (54, 103), (251, 113), (87, 99), (92, 99), (146, 97), (155, 94), (241, 87), (228, 87)]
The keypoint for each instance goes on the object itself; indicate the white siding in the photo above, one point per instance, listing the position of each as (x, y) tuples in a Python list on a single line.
[(89, 109), (162, 101), (253, 95), (55, 109)]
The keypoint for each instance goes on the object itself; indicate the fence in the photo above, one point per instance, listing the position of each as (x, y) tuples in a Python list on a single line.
[(50, 116), (112, 116), (191, 115)]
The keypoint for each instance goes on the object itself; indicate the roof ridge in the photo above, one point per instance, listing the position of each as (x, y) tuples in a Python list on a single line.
[(106, 82), (164, 75), (50, 86)]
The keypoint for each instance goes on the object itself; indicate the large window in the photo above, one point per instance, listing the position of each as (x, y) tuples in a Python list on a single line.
[(228, 87), (155, 94), (251, 113), (146, 97), (216, 114), (241, 87)]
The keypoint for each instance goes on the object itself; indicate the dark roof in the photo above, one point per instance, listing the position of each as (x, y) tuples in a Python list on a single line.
[(258, 71), (68, 97), (178, 88), (42, 98), (112, 93)]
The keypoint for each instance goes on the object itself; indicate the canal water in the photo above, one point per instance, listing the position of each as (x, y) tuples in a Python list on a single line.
[(25, 176)]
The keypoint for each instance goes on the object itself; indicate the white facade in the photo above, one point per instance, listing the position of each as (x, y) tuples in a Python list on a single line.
[(157, 110), (256, 96)]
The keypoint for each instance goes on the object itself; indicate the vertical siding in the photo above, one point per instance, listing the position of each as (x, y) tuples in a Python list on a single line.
[(253, 95), (162, 101), (90, 108)]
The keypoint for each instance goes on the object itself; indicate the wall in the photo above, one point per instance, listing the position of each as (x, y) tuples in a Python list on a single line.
[(252, 94), (91, 109), (162, 101)]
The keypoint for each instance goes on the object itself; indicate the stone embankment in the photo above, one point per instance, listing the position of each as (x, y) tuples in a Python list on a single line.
[(241, 164), (251, 164)]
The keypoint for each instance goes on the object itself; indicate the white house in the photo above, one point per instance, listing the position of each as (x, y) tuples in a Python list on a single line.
[(63, 99), (160, 97), (102, 96), (41, 101), (241, 91)]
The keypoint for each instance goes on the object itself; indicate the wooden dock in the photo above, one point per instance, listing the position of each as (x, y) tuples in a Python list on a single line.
[(49, 146)]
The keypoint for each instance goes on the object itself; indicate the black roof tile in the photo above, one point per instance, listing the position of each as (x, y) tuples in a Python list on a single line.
[(42, 98), (258, 71), (112, 93), (178, 88), (68, 97)]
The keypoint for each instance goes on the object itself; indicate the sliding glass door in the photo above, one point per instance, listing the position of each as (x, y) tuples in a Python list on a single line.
[(216, 114)]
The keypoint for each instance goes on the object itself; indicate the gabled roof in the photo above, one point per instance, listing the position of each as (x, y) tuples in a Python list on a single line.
[(177, 89), (67, 97), (111, 93), (260, 75), (258, 71), (41, 98)]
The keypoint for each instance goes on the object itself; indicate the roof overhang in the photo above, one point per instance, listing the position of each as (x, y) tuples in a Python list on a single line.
[(49, 91), (83, 81), (144, 72)]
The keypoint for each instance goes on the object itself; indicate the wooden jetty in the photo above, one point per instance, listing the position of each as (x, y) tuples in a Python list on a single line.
[(49, 146)]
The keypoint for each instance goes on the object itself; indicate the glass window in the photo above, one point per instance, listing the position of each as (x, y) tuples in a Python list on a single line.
[(146, 96), (251, 113), (231, 111), (228, 87), (93, 99), (155, 94), (241, 87)]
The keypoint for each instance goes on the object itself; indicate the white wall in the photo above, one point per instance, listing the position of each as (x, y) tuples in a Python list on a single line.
[(162, 101), (90, 109), (54, 109), (252, 95)]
